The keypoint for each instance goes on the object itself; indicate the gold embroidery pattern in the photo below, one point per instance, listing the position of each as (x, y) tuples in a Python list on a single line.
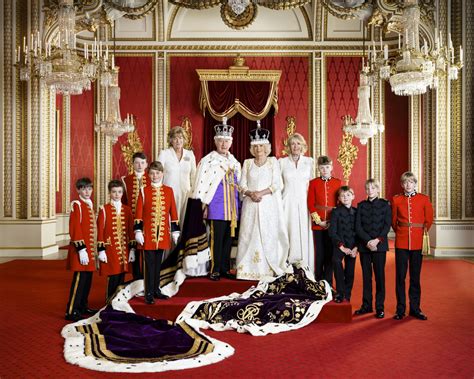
[(286, 301)]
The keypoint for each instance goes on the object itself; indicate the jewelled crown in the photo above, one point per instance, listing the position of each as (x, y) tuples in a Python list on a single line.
[(223, 130), (259, 136)]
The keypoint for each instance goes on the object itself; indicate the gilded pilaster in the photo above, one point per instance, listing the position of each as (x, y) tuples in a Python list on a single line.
[(468, 112), (321, 139), (160, 14), (160, 105), (22, 110), (315, 121), (103, 155), (66, 173), (414, 137), (8, 105), (376, 157), (456, 122)]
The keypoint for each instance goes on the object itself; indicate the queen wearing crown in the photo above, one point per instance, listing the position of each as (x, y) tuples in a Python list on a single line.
[(263, 240)]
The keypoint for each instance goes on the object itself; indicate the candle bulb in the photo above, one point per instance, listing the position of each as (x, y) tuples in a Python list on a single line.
[(24, 44), (399, 41), (113, 61), (385, 52), (460, 54)]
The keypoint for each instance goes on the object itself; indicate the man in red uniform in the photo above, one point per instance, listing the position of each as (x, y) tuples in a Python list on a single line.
[(133, 183), (81, 254), (322, 199), (412, 212), (156, 207), (115, 237)]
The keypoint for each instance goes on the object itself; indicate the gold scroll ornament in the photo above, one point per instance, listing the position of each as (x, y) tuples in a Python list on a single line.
[(347, 152), (290, 129), (133, 145), (188, 130)]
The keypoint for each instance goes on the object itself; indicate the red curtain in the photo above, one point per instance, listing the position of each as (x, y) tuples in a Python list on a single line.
[(253, 95), (222, 95), (241, 139)]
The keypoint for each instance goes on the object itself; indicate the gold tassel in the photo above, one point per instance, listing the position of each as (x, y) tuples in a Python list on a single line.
[(425, 250)]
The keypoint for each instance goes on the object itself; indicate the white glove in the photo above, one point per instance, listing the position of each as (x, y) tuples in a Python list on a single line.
[(131, 256), (103, 256), (175, 236), (83, 257), (139, 237)]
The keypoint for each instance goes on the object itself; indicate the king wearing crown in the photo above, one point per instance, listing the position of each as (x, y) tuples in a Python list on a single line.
[(217, 180)]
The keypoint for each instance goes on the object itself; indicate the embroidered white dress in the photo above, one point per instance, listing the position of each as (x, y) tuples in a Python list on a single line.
[(298, 222), (179, 175), (263, 240)]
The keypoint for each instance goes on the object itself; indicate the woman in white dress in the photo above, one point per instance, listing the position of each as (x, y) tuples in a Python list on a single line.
[(179, 169), (263, 241), (296, 171)]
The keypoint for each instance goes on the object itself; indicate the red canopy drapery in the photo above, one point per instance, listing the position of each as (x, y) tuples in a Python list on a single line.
[(243, 96), (252, 99)]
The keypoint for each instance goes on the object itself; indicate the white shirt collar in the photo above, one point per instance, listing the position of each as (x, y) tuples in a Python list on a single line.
[(87, 201), (157, 185), (117, 205)]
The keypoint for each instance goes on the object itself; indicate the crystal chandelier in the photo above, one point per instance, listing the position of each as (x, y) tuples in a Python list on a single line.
[(364, 126), (58, 63), (112, 124), (415, 69)]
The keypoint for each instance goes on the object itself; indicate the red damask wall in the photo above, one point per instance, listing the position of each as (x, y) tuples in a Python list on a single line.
[(293, 91), (59, 194), (342, 80), (396, 140), (82, 138), (136, 80)]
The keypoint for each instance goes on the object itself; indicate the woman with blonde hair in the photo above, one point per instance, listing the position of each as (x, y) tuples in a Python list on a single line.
[(179, 168), (296, 171)]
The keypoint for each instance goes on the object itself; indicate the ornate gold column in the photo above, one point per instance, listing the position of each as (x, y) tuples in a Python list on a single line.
[(160, 106), (415, 160), (27, 218), (376, 145), (318, 132), (450, 171)]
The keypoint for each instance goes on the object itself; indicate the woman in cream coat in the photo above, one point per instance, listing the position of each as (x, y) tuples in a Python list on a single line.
[(297, 170)]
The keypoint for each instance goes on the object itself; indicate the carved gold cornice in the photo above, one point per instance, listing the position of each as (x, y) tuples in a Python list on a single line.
[(239, 75)]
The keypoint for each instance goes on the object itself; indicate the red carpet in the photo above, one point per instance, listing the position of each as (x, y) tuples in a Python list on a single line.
[(195, 289), (34, 293)]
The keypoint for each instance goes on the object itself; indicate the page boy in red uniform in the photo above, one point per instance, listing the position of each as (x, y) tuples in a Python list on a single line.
[(133, 183), (156, 222), (115, 238), (81, 253), (322, 199), (412, 212)]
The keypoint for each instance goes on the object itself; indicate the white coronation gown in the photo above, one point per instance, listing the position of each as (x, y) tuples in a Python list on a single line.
[(263, 240), (295, 208)]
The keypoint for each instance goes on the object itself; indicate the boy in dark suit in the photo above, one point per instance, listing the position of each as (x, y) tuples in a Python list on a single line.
[(373, 220), (343, 234)]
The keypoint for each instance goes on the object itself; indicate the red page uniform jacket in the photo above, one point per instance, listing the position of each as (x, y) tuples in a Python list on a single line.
[(410, 215), (132, 189), (322, 199), (115, 236), (155, 208), (82, 233)]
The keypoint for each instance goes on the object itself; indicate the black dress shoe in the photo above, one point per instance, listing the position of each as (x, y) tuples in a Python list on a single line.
[(149, 299), (74, 316), (379, 314), (159, 295), (398, 316), (215, 276), (338, 299), (419, 315), (362, 311), (89, 311), (229, 275)]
